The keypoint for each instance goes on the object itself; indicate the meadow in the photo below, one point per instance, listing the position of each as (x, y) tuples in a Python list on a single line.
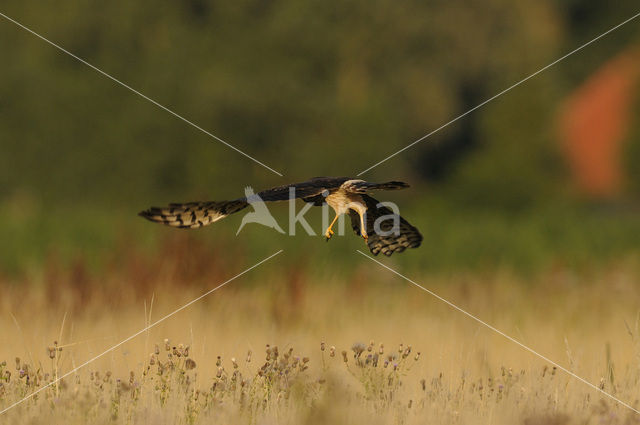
[(315, 340)]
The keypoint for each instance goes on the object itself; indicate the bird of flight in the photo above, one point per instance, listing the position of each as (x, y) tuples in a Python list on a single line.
[(382, 230)]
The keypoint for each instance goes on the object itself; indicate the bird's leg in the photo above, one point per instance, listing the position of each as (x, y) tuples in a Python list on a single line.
[(330, 232), (363, 230)]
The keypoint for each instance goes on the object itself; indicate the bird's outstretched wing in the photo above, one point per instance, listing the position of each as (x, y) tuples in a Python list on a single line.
[(309, 189), (192, 215), (361, 186), (387, 240), (353, 186)]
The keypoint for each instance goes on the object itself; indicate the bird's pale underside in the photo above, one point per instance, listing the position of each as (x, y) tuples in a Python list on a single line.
[(343, 194)]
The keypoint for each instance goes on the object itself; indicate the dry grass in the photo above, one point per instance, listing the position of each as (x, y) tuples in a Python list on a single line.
[(312, 372)]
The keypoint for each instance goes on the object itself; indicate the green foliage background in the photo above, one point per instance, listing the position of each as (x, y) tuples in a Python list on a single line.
[(309, 88)]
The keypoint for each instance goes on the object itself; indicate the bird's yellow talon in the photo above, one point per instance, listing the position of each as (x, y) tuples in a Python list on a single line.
[(328, 234)]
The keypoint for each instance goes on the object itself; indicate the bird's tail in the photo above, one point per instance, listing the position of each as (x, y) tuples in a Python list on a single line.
[(192, 215)]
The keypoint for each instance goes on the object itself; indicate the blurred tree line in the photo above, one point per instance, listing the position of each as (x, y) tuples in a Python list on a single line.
[(309, 88)]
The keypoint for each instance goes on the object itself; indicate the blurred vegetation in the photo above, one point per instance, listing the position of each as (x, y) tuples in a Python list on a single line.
[(216, 365), (309, 89)]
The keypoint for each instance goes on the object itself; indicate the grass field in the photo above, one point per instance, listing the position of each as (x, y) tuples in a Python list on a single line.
[(419, 360)]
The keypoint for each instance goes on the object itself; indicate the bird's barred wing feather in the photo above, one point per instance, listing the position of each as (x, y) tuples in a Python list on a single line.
[(405, 237), (192, 215)]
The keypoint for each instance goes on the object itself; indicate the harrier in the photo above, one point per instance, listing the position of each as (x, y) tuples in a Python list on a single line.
[(391, 233)]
